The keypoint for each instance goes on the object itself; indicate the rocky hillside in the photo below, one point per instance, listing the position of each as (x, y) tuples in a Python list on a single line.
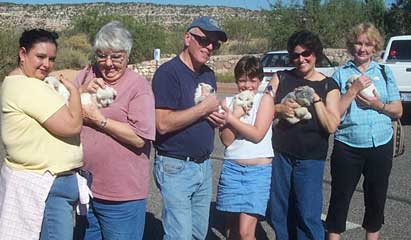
[(59, 16)]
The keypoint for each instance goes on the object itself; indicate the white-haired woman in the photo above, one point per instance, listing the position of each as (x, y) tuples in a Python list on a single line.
[(116, 140)]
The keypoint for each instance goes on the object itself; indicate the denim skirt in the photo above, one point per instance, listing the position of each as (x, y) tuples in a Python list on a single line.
[(244, 188)]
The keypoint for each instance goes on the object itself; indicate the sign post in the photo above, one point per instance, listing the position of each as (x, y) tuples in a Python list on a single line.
[(157, 56)]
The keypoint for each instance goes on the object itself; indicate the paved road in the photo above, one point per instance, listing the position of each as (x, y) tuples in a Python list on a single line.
[(397, 213)]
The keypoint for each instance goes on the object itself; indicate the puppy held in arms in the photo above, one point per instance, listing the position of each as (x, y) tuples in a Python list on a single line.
[(369, 91), (202, 91), (244, 99), (304, 96), (102, 98)]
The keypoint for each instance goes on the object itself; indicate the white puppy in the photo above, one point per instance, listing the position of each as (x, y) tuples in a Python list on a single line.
[(58, 86), (102, 98), (202, 91), (245, 99), (368, 91)]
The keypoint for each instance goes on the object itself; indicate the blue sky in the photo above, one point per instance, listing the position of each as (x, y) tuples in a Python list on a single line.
[(250, 4)]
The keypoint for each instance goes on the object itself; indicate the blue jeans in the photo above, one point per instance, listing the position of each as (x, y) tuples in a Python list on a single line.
[(111, 220), (186, 188), (58, 213), (296, 198)]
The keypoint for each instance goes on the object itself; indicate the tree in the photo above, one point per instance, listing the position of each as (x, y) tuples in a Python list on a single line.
[(376, 11), (398, 18), (330, 19), (339, 16), (283, 20), (146, 36)]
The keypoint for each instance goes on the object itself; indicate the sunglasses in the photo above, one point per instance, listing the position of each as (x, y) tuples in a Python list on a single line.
[(205, 41), (114, 57), (295, 55)]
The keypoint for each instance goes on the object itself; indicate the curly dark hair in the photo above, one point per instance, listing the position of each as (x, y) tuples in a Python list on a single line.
[(308, 40), (250, 66)]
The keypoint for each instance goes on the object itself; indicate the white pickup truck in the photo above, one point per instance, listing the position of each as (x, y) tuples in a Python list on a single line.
[(397, 56), (274, 61)]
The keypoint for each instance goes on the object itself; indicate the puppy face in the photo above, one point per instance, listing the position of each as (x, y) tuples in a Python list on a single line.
[(202, 91), (244, 99), (304, 95), (105, 96), (369, 91), (58, 86)]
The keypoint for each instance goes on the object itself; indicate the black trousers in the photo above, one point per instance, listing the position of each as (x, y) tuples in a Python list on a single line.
[(347, 165)]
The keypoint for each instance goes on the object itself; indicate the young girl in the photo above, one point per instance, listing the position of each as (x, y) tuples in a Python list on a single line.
[(244, 186)]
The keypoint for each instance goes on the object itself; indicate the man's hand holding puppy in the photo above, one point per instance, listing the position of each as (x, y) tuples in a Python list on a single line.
[(214, 116)]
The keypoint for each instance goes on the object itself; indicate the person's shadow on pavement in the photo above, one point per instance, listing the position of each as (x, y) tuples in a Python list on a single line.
[(216, 226)]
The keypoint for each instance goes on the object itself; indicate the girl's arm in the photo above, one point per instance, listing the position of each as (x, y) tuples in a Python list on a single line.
[(255, 133), (227, 133)]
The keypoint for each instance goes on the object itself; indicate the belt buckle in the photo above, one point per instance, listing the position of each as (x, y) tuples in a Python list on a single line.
[(199, 159)]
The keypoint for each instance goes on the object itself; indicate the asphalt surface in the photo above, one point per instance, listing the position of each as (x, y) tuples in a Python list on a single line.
[(397, 213)]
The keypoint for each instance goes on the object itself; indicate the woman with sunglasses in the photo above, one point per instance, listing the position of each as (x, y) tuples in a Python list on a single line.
[(116, 140), (300, 149), (41, 135), (363, 142)]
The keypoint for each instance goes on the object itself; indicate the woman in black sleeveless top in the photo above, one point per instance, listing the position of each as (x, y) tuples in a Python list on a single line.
[(301, 148)]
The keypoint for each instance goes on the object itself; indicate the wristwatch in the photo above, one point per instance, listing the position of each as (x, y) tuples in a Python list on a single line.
[(318, 100), (103, 123)]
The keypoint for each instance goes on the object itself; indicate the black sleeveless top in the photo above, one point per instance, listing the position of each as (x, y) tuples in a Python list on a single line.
[(306, 139)]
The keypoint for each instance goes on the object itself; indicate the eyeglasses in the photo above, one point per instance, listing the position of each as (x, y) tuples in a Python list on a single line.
[(205, 41), (295, 55), (114, 57)]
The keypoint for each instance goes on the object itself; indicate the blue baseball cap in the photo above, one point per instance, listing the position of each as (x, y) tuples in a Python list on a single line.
[(210, 25)]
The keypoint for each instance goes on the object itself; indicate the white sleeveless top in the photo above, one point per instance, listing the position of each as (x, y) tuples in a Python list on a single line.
[(244, 149)]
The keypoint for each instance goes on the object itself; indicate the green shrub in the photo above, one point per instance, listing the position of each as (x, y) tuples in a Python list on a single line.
[(8, 51), (71, 58), (146, 36), (225, 77), (74, 51)]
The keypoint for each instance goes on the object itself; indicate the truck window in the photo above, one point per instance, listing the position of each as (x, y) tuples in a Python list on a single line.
[(323, 62), (400, 51)]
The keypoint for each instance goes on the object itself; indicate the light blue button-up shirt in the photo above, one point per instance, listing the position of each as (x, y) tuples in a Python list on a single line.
[(365, 128)]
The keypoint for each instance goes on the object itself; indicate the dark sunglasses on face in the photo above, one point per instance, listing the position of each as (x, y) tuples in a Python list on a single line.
[(205, 41), (295, 55)]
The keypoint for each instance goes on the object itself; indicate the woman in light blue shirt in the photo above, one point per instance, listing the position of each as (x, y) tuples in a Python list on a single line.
[(363, 141)]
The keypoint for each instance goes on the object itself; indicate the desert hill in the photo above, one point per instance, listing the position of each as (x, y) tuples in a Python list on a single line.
[(59, 16)]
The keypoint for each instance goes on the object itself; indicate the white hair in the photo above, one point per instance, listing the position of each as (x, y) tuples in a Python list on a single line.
[(113, 36)]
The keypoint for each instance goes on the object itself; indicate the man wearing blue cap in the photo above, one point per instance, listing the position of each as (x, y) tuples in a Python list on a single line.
[(185, 132)]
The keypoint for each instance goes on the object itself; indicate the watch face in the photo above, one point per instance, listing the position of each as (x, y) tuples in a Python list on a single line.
[(103, 123)]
